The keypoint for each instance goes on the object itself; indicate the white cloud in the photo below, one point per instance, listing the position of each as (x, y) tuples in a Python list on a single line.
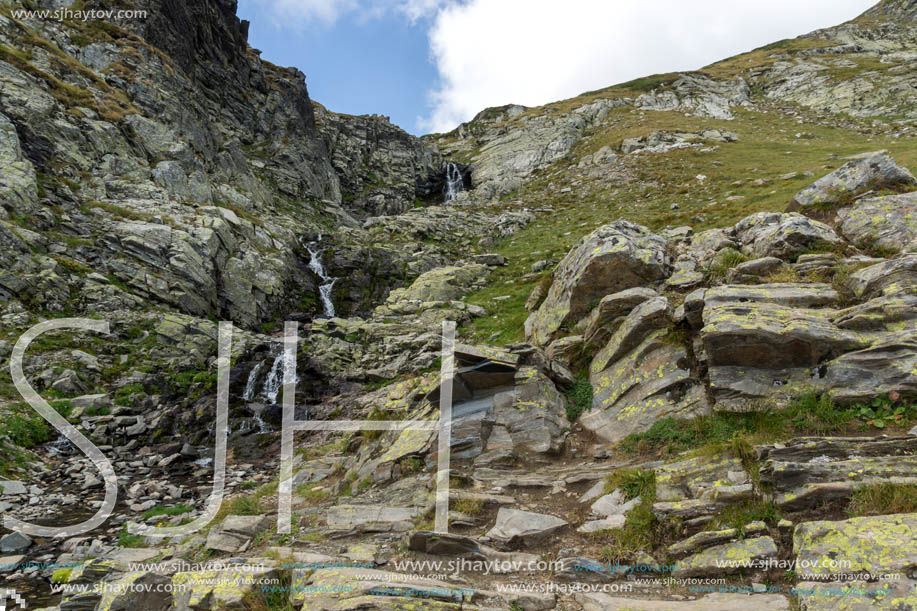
[(494, 52), (417, 9)]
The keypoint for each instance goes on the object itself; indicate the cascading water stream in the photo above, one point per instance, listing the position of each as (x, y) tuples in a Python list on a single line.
[(274, 380), (454, 181), (250, 389), (270, 388), (324, 290)]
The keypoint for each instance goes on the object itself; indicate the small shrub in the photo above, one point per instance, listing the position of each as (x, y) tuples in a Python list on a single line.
[(245, 506), (723, 261), (411, 464), (61, 576), (471, 507), (882, 412), (740, 515), (579, 397), (633, 482), (125, 539), (817, 414), (25, 432)]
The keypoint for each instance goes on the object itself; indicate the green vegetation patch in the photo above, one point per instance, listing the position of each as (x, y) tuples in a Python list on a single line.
[(579, 397), (162, 510), (883, 499)]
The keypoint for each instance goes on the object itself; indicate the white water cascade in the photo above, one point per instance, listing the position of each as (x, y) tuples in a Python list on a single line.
[(250, 390), (324, 290), (273, 382), (454, 181)]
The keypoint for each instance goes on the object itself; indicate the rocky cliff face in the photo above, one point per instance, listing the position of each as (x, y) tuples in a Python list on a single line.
[(113, 125), (382, 169)]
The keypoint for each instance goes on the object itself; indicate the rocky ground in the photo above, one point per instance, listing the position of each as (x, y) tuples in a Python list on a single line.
[(686, 354)]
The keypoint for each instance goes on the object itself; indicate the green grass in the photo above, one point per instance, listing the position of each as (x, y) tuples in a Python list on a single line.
[(411, 465), (579, 397), (471, 507), (117, 211), (883, 499), (725, 260), (817, 414), (245, 506), (672, 435), (273, 597), (379, 415), (648, 83), (61, 576), (311, 494), (633, 482), (808, 414), (24, 427), (738, 516), (125, 395), (162, 510), (125, 539), (641, 531)]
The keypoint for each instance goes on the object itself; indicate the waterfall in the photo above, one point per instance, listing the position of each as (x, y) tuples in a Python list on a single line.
[(249, 393), (274, 381), (270, 389), (324, 290), (455, 183)]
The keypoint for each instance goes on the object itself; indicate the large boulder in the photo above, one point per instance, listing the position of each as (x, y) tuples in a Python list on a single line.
[(810, 295), (598, 601), (809, 472), (758, 350), (769, 335), (533, 415), (236, 532), (888, 365), (888, 223), (773, 234), (220, 589), (742, 555), (614, 257), (864, 172), (890, 278), (649, 382), (441, 284), (882, 546), (604, 320), (138, 590), (515, 527), (371, 518), (649, 316)]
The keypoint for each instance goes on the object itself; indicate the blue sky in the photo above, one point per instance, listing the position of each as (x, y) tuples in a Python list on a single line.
[(431, 64), (356, 65)]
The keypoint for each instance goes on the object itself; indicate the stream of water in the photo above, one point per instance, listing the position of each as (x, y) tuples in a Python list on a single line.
[(454, 181), (317, 267)]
